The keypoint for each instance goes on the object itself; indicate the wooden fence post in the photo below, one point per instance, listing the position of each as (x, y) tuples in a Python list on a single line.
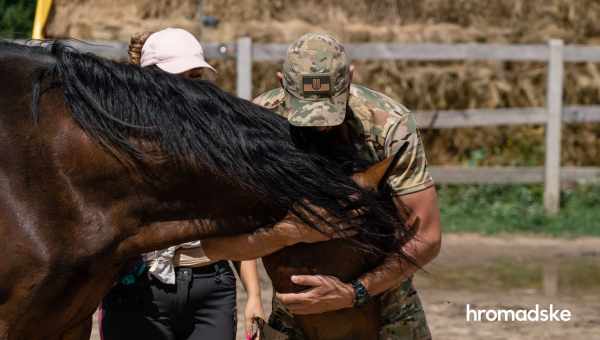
[(554, 97), (244, 68)]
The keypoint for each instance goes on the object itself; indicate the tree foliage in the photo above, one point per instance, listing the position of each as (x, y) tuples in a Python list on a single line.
[(16, 18)]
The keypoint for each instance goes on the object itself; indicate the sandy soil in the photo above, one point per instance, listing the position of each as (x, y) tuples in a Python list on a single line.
[(536, 271), (503, 272)]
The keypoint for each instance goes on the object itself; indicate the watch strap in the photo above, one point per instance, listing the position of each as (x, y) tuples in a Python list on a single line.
[(361, 295)]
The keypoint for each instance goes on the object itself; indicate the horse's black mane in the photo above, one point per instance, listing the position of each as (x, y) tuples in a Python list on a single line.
[(199, 126)]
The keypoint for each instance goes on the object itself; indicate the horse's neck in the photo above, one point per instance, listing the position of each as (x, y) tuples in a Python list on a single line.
[(99, 184), (183, 194), (97, 192), (213, 210)]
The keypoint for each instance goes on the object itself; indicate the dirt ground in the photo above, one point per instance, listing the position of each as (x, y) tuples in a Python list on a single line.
[(503, 272), (513, 273)]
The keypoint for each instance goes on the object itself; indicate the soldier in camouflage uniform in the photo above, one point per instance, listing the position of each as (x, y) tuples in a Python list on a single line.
[(317, 93)]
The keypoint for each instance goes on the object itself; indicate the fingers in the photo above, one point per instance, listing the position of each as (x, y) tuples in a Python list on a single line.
[(251, 324), (308, 280), (300, 303), (300, 309), (293, 300), (345, 233), (326, 293), (248, 328), (290, 300)]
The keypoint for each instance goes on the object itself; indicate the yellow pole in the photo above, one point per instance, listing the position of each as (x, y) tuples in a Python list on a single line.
[(41, 16)]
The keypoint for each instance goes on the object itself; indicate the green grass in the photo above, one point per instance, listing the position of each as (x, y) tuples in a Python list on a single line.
[(492, 209), (16, 18)]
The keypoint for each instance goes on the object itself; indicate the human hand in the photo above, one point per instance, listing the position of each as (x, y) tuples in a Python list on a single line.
[(327, 293), (254, 309)]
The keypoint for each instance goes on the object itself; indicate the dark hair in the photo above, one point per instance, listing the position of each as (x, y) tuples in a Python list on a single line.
[(198, 127)]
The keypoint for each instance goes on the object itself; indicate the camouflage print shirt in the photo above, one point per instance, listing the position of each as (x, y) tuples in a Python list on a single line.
[(384, 126)]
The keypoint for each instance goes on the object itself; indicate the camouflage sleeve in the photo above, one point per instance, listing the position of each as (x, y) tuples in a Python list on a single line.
[(271, 99), (410, 174), (261, 100)]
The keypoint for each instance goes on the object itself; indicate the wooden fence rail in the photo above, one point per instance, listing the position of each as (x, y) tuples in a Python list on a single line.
[(509, 175), (554, 54)]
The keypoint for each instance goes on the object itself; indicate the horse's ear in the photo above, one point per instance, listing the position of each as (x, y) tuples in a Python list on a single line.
[(375, 177)]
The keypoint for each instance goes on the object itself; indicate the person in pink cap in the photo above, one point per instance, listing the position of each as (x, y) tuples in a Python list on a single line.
[(178, 292), (173, 50)]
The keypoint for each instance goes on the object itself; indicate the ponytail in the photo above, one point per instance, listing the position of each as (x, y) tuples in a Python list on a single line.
[(135, 47)]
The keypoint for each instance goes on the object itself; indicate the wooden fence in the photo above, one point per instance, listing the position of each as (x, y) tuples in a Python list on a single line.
[(555, 54)]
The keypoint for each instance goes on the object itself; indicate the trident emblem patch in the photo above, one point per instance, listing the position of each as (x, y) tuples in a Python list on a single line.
[(316, 84)]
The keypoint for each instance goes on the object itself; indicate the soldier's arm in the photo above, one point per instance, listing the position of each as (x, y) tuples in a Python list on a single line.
[(413, 188), (423, 248), (329, 293)]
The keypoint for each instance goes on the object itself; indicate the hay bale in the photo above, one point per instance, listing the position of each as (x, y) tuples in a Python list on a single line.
[(419, 85)]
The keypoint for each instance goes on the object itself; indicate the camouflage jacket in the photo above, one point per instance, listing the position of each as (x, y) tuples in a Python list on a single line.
[(384, 126)]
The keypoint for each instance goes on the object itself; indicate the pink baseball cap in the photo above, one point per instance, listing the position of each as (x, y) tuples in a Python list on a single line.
[(173, 50)]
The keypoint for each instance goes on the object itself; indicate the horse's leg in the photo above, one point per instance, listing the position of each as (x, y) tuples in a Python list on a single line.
[(22, 274), (83, 331), (47, 305), (57, 316)]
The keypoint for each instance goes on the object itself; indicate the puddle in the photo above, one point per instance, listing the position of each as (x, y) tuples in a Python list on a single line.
[(569, 275)]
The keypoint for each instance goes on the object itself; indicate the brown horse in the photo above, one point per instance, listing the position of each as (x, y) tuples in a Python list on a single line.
[(99, 160), (350, 263)]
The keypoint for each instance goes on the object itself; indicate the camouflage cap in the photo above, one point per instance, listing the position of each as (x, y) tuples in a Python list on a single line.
[(316, 79)]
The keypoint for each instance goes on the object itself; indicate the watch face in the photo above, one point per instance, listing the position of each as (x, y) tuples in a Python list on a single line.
[(361, 296)]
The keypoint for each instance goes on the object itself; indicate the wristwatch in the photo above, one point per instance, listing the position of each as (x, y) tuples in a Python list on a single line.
[(361, 295)]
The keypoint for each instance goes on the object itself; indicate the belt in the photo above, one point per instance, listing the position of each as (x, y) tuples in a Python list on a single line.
[(217, 267), (185, 275)]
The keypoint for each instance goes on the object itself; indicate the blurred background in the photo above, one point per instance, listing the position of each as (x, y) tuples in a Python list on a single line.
[(503, 248)]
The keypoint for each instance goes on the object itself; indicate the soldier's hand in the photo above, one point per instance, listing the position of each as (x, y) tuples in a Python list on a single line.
[(327, 293)]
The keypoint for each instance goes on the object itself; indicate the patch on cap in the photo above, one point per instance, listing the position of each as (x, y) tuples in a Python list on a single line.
[(316, 84)]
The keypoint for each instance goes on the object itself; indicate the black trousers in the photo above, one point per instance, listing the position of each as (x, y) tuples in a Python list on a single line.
[(201, 305)]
